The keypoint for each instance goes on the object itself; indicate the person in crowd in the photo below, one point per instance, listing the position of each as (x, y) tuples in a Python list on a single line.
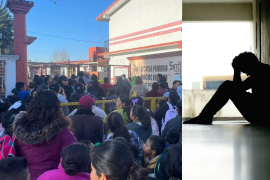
[(73, 77), (79, 92), (114, 160), (71, 84), (176, 84), (126, 81), (96, 110), (43, 76), (38, 82), (139, 101), (160, 103), (31, 84), (173, 161), (179, 91), (41, 133), (162, 88), (14, 168), (154, 92), (33, 92), (4, 106), (20, 86), (55, 79), (121, 87), (48, 80), (42, 87), (63, 81), (86, 77), (117, 128), (61, 97), (122, 107), (152, 150), (80, 75), (172, 137), (84, 117), (9, 116), (106, 85), (82, 81), (161, 112), (139, 87), (163, 79), (175, 122), (141, 122), (75, 164), (95, 89), (111, 96)]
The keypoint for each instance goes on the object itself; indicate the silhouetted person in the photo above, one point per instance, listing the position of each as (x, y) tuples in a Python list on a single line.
[(253, 106)]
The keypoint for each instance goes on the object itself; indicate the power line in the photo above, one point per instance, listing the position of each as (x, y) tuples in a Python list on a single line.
[(63, 37)]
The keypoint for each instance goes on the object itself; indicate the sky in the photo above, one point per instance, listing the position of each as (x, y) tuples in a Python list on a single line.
[(68, 19), (209, 48)]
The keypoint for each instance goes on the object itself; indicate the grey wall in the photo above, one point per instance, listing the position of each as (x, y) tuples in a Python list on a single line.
[(265, 31)]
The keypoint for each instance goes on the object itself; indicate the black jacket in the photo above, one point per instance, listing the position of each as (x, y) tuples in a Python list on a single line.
[(87, 127), (175, 123), (159, 114)]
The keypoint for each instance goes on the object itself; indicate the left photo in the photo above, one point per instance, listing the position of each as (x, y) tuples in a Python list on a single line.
[(91, 90)]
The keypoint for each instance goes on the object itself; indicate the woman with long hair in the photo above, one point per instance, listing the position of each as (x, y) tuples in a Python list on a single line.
[(123, 108), (48, 80), (173, 98), (139, 87), (141, 122), (63, 81), (55, 78), (118, 129), (79, 92), (71, 83), (41, 133), (121, 87), (38, 82), (114, 160), (96, 90)]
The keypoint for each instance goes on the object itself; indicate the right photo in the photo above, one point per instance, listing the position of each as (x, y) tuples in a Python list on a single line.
[(226, 89)]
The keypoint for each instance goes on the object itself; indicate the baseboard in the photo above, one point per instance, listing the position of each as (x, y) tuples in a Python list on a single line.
[(219, 118)]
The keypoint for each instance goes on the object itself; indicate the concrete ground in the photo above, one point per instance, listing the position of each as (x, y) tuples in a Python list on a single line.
[(226, 150)]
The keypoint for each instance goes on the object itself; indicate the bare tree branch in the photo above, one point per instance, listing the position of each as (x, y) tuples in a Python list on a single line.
[(59, 55)]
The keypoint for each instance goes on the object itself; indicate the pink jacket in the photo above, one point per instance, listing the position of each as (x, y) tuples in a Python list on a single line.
[(60, 174)]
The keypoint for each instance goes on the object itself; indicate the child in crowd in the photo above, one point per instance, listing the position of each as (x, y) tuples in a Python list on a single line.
[(152, 150), (172, 137), (74, 164), (14, 168), (174, 162)]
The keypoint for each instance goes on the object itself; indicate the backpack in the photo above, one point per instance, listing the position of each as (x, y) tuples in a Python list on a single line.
[(170, 114), (7, 147), (157, 166)]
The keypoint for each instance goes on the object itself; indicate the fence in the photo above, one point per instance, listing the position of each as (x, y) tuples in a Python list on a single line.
[(109, 105)]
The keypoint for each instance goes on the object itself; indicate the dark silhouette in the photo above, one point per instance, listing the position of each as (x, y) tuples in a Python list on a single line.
[(250, 105)]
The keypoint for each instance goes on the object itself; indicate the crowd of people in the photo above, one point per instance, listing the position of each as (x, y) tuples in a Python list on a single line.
[(42, 140)]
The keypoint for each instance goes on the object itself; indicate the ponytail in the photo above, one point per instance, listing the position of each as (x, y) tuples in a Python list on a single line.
[(142, 115), (116, 125)]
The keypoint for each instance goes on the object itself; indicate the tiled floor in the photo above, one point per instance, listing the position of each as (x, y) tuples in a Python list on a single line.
[(226, 150)]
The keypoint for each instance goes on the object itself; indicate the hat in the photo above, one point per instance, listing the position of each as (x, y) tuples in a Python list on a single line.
[(86, 102), (23, 94)]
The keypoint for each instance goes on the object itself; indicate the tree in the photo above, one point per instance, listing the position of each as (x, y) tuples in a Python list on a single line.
[(6, 27), (59, 55)]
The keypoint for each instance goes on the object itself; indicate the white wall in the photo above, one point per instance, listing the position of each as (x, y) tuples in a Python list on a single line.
[(195, 100), (209, 48), (139, 15)]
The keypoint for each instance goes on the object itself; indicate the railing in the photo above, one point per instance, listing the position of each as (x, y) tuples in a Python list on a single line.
[(109, 105)]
